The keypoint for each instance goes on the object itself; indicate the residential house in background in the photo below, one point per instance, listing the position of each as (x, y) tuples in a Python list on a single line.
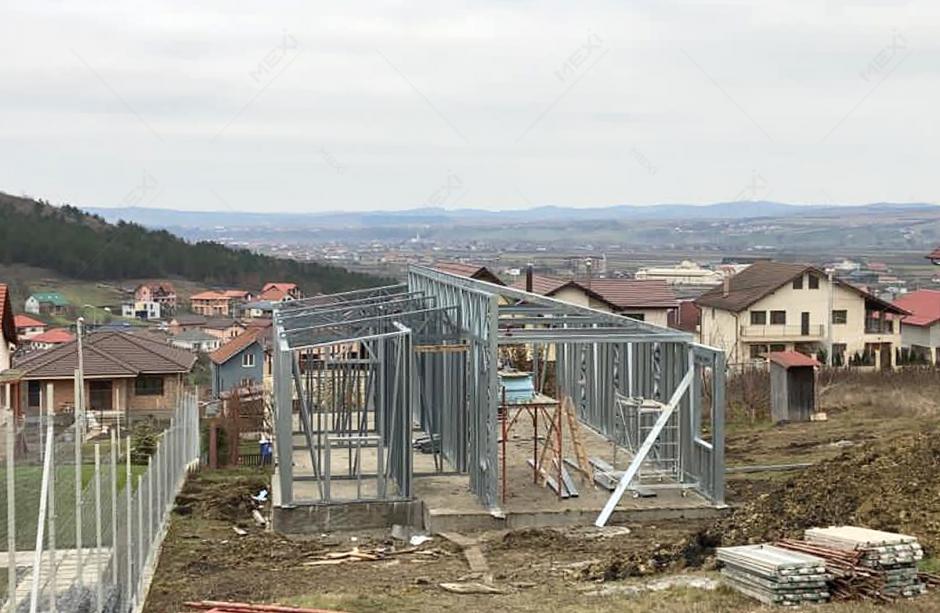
[(7, 330), (27, 327), (257, 308), (920, 331), (224, 328), (471, 271), (145, 310), (196, 341), (210, 304), (776, 306), (214, 304), (689, 273), (47, 303), (238, 363), (53, 337), (186, 321), (161, 292), (280, 292), (650, 300), (126, 373)]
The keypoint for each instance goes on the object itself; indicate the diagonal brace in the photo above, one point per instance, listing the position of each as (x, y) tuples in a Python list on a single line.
[(644, 449)]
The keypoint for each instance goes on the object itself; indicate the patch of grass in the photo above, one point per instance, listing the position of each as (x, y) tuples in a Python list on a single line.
[(929, 565)]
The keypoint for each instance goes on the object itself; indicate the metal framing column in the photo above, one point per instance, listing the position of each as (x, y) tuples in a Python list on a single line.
[(284, 416)]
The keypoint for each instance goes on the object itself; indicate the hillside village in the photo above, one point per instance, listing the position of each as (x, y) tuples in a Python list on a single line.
[(783, 333)]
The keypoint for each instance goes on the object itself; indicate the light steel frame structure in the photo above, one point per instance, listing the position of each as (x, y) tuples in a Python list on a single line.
[(453, 387)]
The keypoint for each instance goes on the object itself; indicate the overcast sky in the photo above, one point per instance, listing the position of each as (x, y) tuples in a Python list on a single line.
[(313, 106)]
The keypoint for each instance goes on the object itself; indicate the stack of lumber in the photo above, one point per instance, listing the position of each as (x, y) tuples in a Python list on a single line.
[(774, 575), (884, 563)]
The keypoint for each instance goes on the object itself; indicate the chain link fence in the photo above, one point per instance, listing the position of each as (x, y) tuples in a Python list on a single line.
[(85, 510)]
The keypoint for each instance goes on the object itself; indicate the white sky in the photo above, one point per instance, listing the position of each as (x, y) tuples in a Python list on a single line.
[(314, 106)]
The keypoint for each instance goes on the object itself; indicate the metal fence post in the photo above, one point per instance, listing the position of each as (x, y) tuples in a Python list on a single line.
[(129, 524), (44, 499), (140, 537), (115, 441), (149, 501), (98, 579), (79, 397), (11, 509)]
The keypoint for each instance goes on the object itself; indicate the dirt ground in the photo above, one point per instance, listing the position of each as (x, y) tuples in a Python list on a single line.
[(873, 466)]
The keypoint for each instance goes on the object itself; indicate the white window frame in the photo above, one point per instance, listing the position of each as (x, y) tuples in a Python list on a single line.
[(248, 360)]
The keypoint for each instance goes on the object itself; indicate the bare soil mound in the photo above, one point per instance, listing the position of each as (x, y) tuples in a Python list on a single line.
[(891, 485)]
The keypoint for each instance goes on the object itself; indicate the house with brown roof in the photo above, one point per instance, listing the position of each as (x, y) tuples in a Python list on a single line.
[(650, 300), (161, 292), (124, 372), (920, 331), (239, 362), (778, 306), (224, 328), (471, 271)]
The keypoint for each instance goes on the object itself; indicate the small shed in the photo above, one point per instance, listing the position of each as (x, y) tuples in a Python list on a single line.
[(792, 386)]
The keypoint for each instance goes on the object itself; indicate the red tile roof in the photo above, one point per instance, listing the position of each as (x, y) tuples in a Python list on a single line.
[(924, 305), (618, 293), (230, 349), (7, 327), (789, 359), (545, 285), (55, 336), (272, 293), (25, 321), (634, 293), (934, 255), (284, 287), (472, 271)]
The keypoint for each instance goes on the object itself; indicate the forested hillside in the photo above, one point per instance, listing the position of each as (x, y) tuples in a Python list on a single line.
[(77, 244)]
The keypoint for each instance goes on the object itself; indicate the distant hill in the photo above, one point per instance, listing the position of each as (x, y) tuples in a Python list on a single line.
[(81, 245), (171, 218)]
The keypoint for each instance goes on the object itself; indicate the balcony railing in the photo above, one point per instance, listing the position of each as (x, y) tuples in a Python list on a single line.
[(773, 331)]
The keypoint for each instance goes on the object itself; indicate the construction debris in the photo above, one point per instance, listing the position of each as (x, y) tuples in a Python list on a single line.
[(866, 563), (357, 555), (471, 588), (774, 575)]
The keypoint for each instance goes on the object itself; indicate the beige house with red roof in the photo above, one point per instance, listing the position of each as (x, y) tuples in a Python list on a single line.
[(920, 331)]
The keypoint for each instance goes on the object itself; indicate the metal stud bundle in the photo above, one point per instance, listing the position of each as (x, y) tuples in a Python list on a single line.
[(890, 559), (775, 575)]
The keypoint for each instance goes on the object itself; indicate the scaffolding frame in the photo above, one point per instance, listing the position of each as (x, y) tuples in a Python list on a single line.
[(428, 355)]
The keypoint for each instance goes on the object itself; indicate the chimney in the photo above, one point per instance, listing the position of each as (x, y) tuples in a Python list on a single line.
[(528, 278), (588, 265), (725, 286)]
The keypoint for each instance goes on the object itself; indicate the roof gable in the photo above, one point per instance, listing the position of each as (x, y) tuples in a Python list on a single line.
[(235, 346), (751, 284)]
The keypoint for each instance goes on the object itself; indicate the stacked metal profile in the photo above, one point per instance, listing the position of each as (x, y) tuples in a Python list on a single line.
[(892, 558), (774, 575)]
